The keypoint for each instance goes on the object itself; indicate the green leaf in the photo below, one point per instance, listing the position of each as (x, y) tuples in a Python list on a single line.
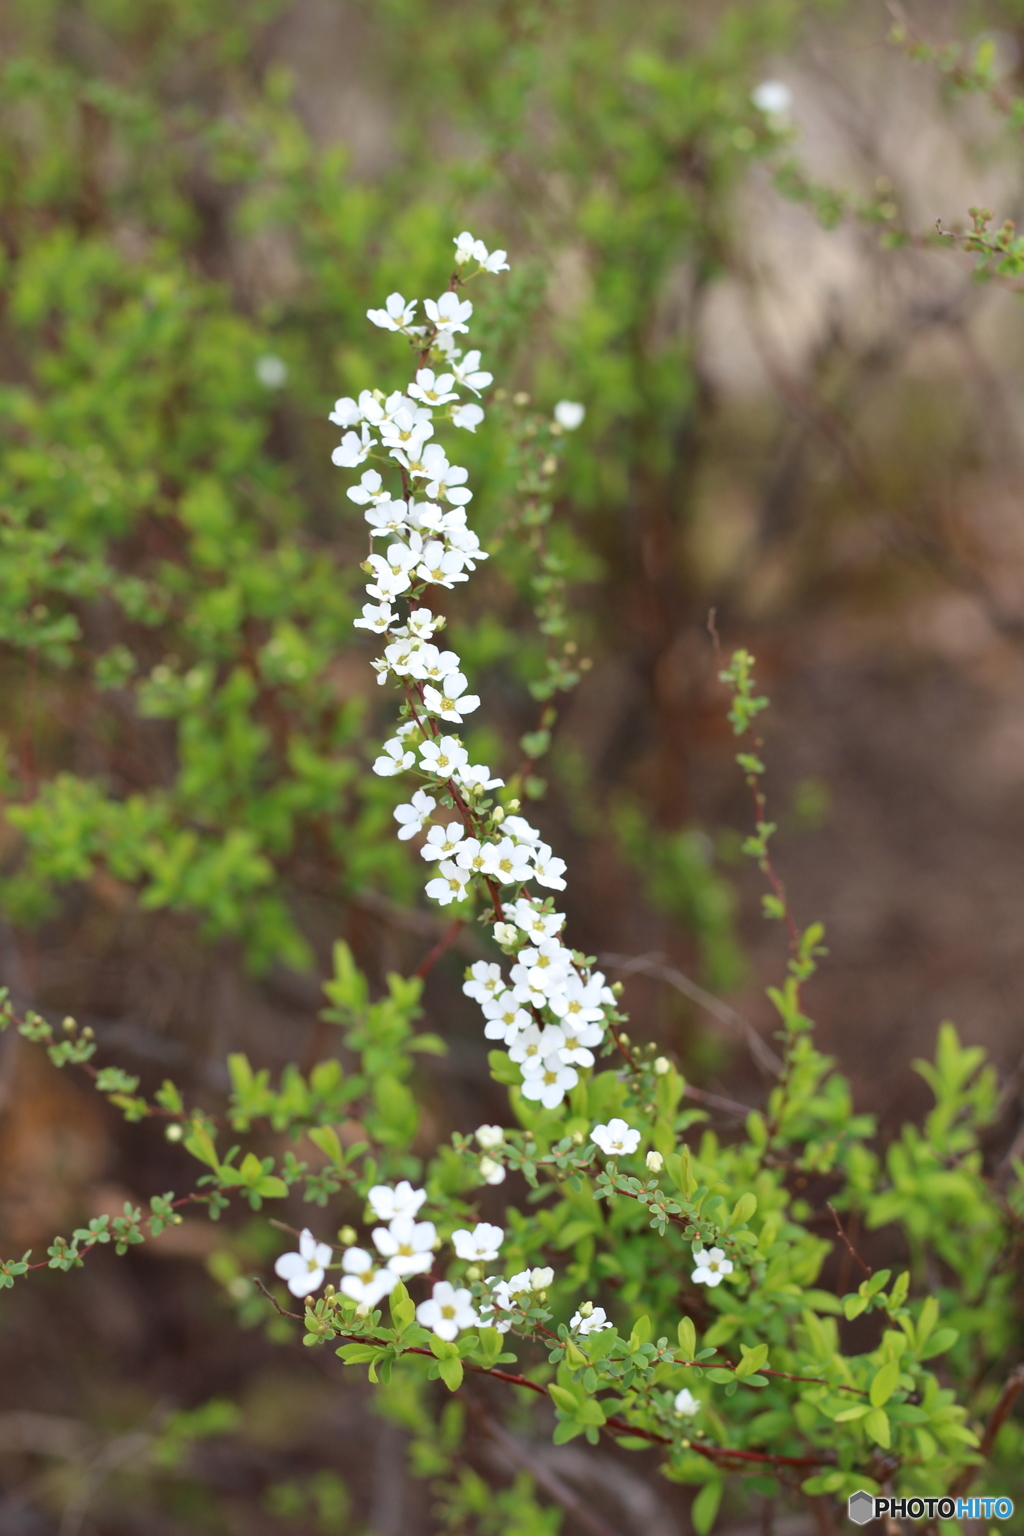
[(939, 1343), (503, 1068), (641, 1334), (451, 1373), (884, 1384), (705, 1507), (326, 1138), (877, 1426), (201, 1145), (687, 1335), (752, 1360), (742, 1211), (403, 1308), (564, 1399)]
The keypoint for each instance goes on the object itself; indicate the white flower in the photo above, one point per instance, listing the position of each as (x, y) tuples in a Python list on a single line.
[(272, 371), (519, 828), (506, 933), (362, 1282), (471, 856), (406, 1244), (451, 697), (464, 244), (411, 453), (422, 623), (712, 1266), (521, 1284), (409, 425), (443, 756), (352, 449), (489, 1136), (468, 416), (369, 489), (578, 1001), (506, 1020), (469, 249), (445, 482), (346, 413), (427, 517), (396, 315), (411, 817), (447, 1311), (772, 97), (530, 918), (303, 1272), (685, 1404), (527, 1050), (449, 312), (433, 389), (569, 414), (654, 1161), (484, 981), (508, 862), (392, 571), (387, 1203), (393, 759), (440, 566), (662, 1065), (590, 1322), (548, 870), (578, 1041), (548, 965), (491, 1172), (481, 1245), (430, 663), (615, 1138), (469, 373), (449, 884), (377, 618), (540, 1279), (387, 517), (476, 776), (551, 1084), (442, 841)]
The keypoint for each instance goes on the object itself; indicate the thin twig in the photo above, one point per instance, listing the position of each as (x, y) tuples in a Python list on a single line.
[(444, 943), (654, 965), (996, 1419), (545, 1477), (850, 1248)]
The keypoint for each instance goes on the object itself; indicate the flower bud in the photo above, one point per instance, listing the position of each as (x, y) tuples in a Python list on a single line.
[(489, 1136), (473, 1272), (491, 1172), (655, 1162), (662, 1065), (174, 1132), (505, 933), (347, 1236), (498, 815), (586, 1309)]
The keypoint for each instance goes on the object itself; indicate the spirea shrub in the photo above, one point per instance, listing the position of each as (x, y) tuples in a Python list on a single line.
[(626, 1258)]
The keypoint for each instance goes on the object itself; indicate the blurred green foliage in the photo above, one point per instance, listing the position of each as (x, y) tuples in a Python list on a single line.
[(183, 287)]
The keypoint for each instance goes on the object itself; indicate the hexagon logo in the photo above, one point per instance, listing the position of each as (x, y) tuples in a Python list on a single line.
[(861, 1507)]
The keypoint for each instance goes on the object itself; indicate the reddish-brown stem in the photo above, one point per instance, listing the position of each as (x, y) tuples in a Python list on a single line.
[(849, 1246), (996, 1419), (445, 942)]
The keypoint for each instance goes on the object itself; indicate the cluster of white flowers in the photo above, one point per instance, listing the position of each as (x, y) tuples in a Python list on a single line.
[(549, 1012)]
